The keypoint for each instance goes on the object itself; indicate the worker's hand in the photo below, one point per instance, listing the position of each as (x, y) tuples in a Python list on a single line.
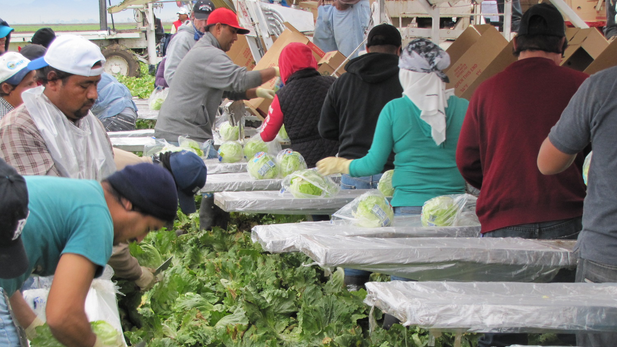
[(278, 72), (333, 165), (147, 279), (265, 93), (31, 329), (117, 343)]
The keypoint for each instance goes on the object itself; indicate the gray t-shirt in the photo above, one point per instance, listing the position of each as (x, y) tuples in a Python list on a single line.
[(591, 117)]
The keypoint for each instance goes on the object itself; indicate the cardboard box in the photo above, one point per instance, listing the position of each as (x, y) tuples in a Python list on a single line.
[(310, 6), (241, 54), (586, 9), (604, 60), (330, 62), (584, 46), (259, 106), (487, 53)]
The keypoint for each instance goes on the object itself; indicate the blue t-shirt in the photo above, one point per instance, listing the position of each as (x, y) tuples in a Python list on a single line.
[(66, 216)]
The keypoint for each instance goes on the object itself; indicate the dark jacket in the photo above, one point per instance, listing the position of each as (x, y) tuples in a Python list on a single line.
[(352, 106)]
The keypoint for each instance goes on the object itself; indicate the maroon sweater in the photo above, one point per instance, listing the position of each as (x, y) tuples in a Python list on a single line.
[(508, 118)]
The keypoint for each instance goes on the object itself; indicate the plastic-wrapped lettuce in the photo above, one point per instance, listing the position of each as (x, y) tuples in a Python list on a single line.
[(369, 210), (108, 335), (230, 152), (586, 164), (385, 184), (282, 135), (253, 146), (191, 145), (309, 184), (446, 210), (289, 161), (229, 132), (262, 166)]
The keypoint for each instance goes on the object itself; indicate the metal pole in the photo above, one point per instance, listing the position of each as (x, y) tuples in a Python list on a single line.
[(102, 15)]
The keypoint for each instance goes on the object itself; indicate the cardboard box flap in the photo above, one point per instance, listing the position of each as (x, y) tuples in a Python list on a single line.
[(500, 63), (330, 62), (240, 53), (584, 47), (606, 59)]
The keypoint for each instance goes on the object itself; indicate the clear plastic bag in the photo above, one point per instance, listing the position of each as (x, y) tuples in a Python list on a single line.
[(230, 152), (156, 99), (309, 184), (369, 210), (282, 135), (290, 161), (185, 143), (385, 184), (449, 210), (262, 166), (255, 145)]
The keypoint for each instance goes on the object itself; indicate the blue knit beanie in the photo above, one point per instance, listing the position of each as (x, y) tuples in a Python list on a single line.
[(149, 187)]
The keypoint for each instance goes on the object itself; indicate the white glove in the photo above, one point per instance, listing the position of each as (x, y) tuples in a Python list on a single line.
[(265, 93), (31, 329), (333, 165), (147, 279)]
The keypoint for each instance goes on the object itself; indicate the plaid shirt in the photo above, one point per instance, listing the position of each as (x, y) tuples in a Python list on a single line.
[(5, 107), (22, 146)]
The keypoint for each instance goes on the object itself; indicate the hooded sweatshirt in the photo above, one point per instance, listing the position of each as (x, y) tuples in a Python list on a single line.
[(422, 169), (352, 106), (298, 104), (204, 77), (179, 45)]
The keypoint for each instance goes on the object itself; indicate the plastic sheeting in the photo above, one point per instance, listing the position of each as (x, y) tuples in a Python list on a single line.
[(498, 307), (132, 133), (281, 238), (132, 144), (214, 166), (241, 181), (285, 203), (449, 259)]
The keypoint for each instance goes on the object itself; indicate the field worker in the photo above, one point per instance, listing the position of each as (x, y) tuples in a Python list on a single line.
[(341, 26), (43, 37), (508, 118), (15, 77), (183, 16), (297, 105), (33, 51), (53, 132), (590, 118), (352, 106), (5, 36), (186, 37), (114, 105), (206, 76), (70, 231)]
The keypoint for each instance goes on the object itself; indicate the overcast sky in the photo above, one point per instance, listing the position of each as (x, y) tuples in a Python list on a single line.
[(69, 11)]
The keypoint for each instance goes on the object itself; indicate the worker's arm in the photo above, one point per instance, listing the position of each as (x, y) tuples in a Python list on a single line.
[(66, 315), (273, 122), (551, 160), (23, 313), (268, 74)]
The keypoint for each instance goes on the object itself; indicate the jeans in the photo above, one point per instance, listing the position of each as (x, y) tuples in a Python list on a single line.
[(610, 29), (407, 210), (591, 271), (364, 182), (553, 230), (8, 332)]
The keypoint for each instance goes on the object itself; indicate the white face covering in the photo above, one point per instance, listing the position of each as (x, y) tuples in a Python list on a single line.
[(428, 92), (79, 150)]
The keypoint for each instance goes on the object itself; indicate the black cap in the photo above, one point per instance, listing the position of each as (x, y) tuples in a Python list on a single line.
[(149, 187), (33, 51), (43, 37), (190, 174), (202, 9), (14, 212), (384, 34), (555, 26)]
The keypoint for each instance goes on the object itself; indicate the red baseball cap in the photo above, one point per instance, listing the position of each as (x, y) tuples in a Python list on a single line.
[(225, 16)]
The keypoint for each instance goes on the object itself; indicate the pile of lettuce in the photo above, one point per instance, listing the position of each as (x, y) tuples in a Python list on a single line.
[(289, 162), (262, 166), (230, 152), (108, 335)]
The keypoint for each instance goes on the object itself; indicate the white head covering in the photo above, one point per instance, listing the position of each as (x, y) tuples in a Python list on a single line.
[(424, 83)]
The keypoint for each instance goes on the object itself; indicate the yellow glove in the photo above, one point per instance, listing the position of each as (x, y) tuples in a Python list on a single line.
[(31, 329), (265, 93), (147, 279), (333, 165), (278, 72)]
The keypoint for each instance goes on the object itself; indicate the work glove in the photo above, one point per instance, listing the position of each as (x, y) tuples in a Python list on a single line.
[(31, 329), (147, 279), (333, 165), (265, 93), (278, 72)]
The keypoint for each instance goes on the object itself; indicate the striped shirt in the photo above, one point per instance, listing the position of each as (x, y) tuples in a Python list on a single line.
[(5, 107)]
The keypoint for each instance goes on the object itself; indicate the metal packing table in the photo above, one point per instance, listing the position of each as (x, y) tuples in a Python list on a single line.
[(281, 238), (132, 144), (498, 307), (241, 181), (276, 203), (444, 259), (214, 166), (131, 133)]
